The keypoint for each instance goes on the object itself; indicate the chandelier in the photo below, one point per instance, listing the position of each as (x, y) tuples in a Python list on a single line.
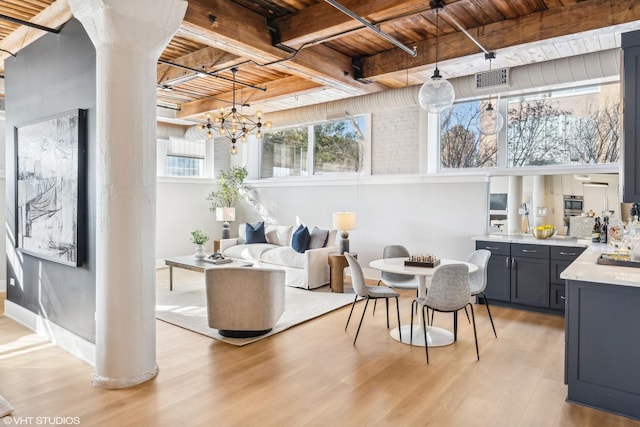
[(232, 124)]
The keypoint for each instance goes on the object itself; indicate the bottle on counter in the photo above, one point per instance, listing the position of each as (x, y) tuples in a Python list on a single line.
[(604, 229), (595, 233)]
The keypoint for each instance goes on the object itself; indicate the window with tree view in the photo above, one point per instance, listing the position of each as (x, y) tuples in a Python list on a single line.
[(565, 127), (575, 126), (462, 145), (336, 148)]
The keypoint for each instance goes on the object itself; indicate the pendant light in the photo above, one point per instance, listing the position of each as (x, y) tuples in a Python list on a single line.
[(490, 121), (436, 94)]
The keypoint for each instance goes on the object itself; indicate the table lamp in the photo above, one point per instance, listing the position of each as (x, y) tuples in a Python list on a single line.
[(344, 221), (226, 215)]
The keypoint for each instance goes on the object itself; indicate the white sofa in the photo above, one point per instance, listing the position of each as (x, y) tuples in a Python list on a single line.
[(306, 270)]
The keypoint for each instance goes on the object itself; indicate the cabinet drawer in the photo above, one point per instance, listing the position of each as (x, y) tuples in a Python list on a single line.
[(556, 299), (530, 251), (496, 248), (566, 253), (557, 267)]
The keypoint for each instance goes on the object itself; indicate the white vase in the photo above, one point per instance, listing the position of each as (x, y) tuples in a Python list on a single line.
[(200, 252)]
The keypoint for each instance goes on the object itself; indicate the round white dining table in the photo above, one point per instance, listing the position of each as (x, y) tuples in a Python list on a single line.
[(435, 336)]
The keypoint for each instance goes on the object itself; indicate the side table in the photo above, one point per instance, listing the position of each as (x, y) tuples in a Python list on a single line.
[(337, 264)]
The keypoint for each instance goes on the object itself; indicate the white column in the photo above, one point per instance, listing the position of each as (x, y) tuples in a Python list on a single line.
[(129, 37), (537, 201), (514, 203)]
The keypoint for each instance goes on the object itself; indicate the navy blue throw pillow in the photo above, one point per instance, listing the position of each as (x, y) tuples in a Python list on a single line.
[(255, 233), (300, 239)]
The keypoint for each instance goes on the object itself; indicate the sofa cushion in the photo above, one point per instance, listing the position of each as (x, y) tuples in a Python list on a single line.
[(255, 233), (300, 239), (252, 252), (279, 235), (319, 238), (285, 256)]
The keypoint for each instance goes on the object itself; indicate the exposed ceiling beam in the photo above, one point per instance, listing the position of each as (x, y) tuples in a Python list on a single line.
[(54, 16), (575, 18), (206, 59), (277, 89), (245, 33), (321, 21)]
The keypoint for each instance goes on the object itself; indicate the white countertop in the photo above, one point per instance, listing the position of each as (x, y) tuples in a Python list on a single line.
[(529, 239), (585, 269)]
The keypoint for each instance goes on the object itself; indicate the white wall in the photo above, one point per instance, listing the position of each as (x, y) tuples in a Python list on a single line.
[(3, 252)]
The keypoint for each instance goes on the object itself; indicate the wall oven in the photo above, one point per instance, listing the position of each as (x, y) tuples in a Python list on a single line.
[(573, 205)]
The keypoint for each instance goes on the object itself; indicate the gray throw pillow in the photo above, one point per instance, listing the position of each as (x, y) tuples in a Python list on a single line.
[(318, 238)]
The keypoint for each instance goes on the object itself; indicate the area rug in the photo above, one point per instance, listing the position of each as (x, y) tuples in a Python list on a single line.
[(5, 407), (185, 307)]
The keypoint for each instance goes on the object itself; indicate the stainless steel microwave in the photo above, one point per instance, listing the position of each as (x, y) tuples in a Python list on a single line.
[(573, 205)]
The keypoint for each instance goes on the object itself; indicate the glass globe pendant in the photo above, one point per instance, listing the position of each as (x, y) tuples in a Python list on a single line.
[(490, 121), (437, 94)]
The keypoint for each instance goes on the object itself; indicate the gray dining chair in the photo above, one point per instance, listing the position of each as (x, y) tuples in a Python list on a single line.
[(368, 293), (449, 292), (395, 280), (478, 279)]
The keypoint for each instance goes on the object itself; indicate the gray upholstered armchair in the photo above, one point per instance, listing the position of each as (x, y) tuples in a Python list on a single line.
[(244, 301)]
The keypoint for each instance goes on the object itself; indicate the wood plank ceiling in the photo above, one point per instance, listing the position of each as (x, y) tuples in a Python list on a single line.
[(291, 53)]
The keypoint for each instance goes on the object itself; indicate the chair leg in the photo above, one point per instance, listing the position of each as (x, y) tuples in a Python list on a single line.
[(351, 312), (375, 301), (432, 312), (489, 311), (467, 313), (424, 328), (411, 324), (455, 326), (475, 336), (361, 319), (398, 311), (386, 300)]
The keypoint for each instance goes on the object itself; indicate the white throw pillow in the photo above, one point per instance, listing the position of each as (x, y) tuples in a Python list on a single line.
[(279, 235)]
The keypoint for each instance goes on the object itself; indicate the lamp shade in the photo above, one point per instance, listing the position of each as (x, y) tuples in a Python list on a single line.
[(344, 221), (225, 214), (436, 94)]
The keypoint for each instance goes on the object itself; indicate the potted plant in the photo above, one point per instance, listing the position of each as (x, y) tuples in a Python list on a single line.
[(231, 186), (199, 238)]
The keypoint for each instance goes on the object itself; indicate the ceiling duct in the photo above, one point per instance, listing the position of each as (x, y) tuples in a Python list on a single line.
[(492, 79)]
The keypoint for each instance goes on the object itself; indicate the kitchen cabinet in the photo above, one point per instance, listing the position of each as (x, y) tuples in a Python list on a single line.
[(631, 113), (530, 275), (498, 270), (527, 275)]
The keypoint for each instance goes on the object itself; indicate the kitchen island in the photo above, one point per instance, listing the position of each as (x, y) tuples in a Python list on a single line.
[(602, 336), (524, 272)]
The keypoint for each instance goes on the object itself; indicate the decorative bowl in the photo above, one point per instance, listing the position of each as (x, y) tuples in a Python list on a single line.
[(544, 233)]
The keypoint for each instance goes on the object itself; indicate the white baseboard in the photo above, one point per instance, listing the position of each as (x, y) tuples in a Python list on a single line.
[(58, 335)]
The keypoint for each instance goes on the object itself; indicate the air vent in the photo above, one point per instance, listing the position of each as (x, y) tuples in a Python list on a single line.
[(493, 78)]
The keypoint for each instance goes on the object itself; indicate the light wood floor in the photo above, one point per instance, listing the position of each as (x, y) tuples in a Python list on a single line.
[(312, 375)]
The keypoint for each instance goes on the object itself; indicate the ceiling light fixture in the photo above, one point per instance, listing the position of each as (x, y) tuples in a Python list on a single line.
[(490, 121), (436, 94), (232, 124)]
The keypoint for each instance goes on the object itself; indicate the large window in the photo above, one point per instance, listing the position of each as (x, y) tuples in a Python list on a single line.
[(575, 126), (337, 147), (461, 143), (185, 157)]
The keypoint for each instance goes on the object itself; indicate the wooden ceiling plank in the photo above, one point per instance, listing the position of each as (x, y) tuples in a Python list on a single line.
[(322, 20), (53, 16), (557, 22), (277, 89), (206, 59), (244, 33)]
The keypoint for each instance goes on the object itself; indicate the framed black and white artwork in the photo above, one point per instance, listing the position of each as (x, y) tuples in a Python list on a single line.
[(51, 187)]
